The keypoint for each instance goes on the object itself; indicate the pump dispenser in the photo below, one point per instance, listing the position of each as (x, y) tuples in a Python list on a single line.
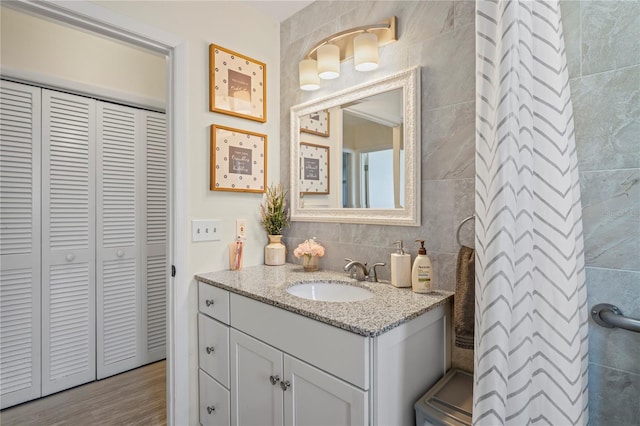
[(400, 267), (422, 271)]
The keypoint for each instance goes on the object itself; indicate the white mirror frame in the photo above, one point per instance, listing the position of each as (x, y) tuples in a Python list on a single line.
[(409, 82)]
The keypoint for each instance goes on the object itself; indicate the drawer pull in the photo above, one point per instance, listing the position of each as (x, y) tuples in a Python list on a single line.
[(284, 385), (274, 379), (211, 409), (210, 350), (209, 302)]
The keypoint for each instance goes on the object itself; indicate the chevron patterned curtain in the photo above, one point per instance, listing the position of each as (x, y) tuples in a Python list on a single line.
[(531, 298)]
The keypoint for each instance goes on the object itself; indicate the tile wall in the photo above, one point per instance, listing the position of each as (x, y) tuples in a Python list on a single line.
[(438, 36), (602, 39)]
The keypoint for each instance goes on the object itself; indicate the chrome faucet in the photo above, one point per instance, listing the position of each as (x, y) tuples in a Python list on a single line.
[(360, 271)]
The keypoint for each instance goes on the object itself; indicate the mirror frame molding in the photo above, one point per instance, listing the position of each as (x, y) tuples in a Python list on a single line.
[(409, 82)]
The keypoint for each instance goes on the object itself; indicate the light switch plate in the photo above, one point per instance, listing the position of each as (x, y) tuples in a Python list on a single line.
[(205, 230)]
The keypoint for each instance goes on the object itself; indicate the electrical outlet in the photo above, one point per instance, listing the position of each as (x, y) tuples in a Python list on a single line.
[(205, 230), (241, 228)]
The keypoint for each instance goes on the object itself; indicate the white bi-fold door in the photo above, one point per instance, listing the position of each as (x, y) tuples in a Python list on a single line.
[(155, 256), (68, 241), (83, 227), (119, 216), (131, 251), (20, 195)]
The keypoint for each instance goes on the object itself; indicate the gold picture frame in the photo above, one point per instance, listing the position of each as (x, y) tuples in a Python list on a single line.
[(237, 84), (316, 123), (238, 160), (314, 169)]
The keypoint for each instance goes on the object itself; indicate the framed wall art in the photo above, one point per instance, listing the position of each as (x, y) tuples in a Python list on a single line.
[(238, 160), (314, 168), (316, 123), (237, 84)]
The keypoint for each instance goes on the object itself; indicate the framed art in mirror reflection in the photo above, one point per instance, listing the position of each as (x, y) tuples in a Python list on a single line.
[(314, 169)]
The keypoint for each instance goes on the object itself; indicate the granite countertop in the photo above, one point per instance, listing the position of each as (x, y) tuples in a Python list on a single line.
[(389, 307)]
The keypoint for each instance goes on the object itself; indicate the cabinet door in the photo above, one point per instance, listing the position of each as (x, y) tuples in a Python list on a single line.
[(256, 371), (118, 229), (317, 398), (68, 241), (156, 272), (20, 117)]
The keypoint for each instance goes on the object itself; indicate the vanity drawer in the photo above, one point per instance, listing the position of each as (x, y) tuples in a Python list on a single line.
[(214, 402), (213, 348), (336, 351), (214, 302)]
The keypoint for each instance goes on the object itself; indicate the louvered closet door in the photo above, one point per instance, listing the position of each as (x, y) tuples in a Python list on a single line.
[(118, 215), (156, 243), (20, 116), (68, 241)]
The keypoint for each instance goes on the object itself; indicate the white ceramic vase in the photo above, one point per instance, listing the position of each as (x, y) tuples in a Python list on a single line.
[(275, 253)]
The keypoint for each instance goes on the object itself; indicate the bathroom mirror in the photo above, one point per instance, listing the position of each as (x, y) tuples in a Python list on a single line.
[(355, 155)]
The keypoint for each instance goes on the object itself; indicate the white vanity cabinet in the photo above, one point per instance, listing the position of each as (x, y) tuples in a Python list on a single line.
[(272, 388), (284, 368)]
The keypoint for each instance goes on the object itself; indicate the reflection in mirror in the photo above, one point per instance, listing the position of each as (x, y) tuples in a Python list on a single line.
[(364, 143), (373, 152)]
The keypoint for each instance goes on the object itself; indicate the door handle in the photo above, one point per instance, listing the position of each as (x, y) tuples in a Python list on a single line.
[(284, 385)]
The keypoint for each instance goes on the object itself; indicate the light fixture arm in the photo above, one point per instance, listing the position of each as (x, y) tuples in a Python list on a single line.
[(385, 30)]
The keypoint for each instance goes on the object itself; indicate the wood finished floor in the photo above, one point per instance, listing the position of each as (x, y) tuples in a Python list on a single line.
[(137, 397)]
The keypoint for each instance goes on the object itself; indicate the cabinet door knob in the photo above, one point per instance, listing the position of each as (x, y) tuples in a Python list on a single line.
[(274, 379), (210, 350), (70, 257), (120, 253), (209, 302), (211, 409), (284, 385)]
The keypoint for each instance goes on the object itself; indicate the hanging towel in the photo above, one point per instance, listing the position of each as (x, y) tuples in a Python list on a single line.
[(464, 299)]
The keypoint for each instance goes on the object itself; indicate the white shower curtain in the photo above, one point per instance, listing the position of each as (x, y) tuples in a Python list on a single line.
[(531, 312)]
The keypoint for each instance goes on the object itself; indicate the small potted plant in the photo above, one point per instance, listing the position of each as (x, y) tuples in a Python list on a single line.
[(275, 218)]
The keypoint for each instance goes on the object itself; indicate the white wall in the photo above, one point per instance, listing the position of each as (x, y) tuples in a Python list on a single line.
[(247, 31), (71, 58), (244, 30)]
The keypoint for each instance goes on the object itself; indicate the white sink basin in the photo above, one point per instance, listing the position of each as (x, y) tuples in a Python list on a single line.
[(326, 291)]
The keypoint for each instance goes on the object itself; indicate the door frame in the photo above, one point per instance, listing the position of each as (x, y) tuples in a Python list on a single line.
[(96, 19)]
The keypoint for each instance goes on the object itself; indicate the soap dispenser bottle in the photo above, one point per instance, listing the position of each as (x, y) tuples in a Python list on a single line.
[(400, 267), (422, 271)]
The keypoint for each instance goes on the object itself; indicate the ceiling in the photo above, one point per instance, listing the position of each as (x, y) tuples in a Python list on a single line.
[(279, 9)]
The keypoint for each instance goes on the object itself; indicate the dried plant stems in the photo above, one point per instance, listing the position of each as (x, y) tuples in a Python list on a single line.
[(275, 216)]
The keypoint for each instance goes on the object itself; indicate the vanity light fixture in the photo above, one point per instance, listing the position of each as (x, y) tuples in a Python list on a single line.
[(323, 60), (328, 61), (365, 52), (308, 71)]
